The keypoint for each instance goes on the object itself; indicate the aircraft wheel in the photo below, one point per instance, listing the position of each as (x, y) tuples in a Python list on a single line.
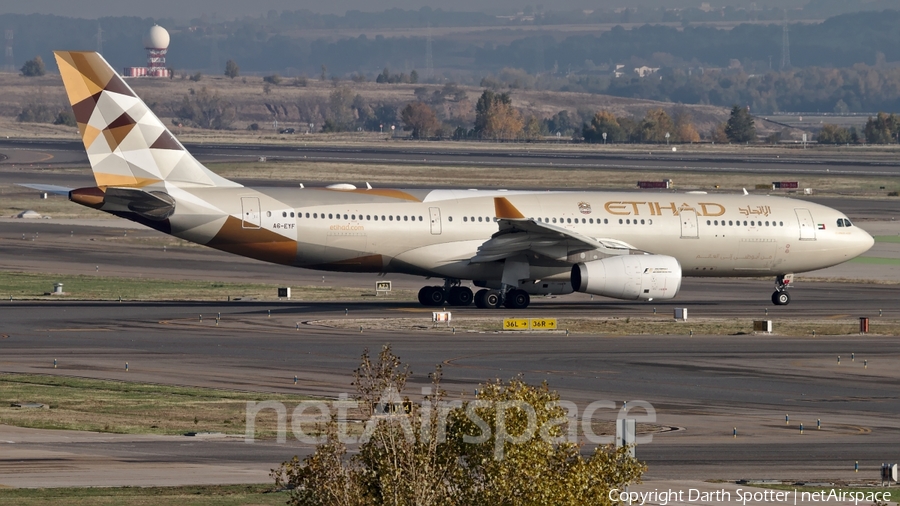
[(492, 299), (517, 299), (424, 294), (479, 299), (460, 296), (781, 298), (436, 296)]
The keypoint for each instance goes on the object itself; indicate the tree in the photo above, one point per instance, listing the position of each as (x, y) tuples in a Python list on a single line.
[(717, 134), (655, 125), (419, 118), (684, 128), (882, 129), (413, 77), (231, 69), (273, 79), (432, 453), (206, 109), (603, 122), (833, 134), (34, 67), (739, 128), (340, 108), (495, 117)]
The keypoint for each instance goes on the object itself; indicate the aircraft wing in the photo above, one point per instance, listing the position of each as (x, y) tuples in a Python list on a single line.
[(49, 188), (519, 234)]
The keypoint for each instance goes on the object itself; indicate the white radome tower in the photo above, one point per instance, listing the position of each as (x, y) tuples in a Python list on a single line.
[(157, 44)]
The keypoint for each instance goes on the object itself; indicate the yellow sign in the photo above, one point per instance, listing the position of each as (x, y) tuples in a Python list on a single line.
[(516, 323), (543, 324), (529, 324)]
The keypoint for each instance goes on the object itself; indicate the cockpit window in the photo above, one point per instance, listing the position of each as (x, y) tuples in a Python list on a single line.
[(840, 222), (847, 223)]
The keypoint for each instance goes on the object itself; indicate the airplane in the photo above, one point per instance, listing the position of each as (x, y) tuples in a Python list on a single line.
[(509, 244)]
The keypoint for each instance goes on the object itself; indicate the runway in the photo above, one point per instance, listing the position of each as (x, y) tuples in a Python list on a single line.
[(701, 387), (654, 158)]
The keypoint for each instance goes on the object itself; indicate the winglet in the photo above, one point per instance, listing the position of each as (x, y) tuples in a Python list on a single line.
[(504, 209)]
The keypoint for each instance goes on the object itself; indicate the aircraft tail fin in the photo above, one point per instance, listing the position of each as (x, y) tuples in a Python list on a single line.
[(127, 145)]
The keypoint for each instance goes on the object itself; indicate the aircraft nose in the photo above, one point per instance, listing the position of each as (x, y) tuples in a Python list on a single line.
[(864, 241)]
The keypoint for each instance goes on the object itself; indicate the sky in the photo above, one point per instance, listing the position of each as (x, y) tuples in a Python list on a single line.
[(229, 9)]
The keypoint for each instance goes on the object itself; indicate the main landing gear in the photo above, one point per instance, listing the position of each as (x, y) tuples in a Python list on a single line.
[(451, 293), (781, 296), (513, 298)]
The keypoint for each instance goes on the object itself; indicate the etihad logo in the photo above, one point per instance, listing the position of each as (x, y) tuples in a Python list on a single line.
[(629, 208), (584, 207)]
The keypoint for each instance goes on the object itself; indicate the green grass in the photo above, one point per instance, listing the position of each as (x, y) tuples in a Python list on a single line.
[(132, 408), (887, 238), (219, 495), (20, 285), (876, 261)]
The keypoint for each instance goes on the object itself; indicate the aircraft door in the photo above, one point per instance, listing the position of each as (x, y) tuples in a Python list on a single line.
[(435, 213), (251, 214), (807, 225), (689, 228)]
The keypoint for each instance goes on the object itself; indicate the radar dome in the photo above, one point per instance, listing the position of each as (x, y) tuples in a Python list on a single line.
[(156, 38)]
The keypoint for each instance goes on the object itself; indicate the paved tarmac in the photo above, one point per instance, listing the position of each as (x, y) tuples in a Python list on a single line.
[(655, 158), (700, 387)]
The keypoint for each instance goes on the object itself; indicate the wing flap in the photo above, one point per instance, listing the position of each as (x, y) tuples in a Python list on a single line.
[(519, 234)]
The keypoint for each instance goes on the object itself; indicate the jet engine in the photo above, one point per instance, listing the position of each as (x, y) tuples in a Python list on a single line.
[(629, 277)]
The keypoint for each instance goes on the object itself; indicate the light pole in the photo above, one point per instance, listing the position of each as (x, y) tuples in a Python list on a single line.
[(604, 137), (667, 138)]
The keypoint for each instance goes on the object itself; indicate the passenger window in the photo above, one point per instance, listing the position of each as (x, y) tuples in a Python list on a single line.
[(745, 223), (420, 219), (708, 222), (642, 222), (605, 221), (391, 217), (479, 219), (307, 215), (620, 221), (284, 214), (449, 218), (730, 223), (292, 214)]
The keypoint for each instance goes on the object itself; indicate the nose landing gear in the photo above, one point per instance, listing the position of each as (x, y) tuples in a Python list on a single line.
[(781, 296)]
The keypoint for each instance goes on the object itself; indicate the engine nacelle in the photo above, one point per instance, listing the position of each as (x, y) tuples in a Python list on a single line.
[(629, 277)]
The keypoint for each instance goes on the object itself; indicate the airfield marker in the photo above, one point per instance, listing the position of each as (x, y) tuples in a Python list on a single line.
[(126, 366), (295, 379), (853, 357), (54, 363), (787, 420), (734, 432), (801, 427), (818, 424), (270, 313), (856, 467), (839, 360), (865, 364)]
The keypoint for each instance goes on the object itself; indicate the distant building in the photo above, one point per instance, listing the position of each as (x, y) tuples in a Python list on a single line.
[(156, 42), (645, 71)]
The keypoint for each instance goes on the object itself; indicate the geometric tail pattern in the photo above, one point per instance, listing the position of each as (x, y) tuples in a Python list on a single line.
[(127, 145)]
